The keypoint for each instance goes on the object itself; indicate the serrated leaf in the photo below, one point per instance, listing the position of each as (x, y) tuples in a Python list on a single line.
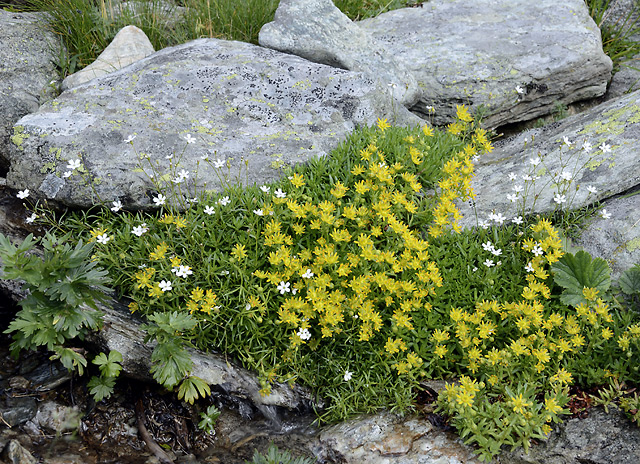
[(170, 363), (101, 387), (575, 272), (193, 388), (70, 359), (109, 365), (630, 281)]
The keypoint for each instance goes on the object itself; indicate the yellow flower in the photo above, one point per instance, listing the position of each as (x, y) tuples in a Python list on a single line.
[(551, 405), (155, 292), (180, 222), (338, 190), (562, 377), (357, 170), (428, 131), (607, 333), (394, 346), (197, 294), (133, 307), (159, 252), (623, 342), (239, 252), (297, 180), (589, 293), (166, 219), (95, 233), (519, 404), (440, 351), (383, 124), (462, 113)]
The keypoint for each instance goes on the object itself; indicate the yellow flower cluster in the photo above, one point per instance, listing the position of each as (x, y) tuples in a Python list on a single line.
[(203, 301), (457, 174), (358, 266)]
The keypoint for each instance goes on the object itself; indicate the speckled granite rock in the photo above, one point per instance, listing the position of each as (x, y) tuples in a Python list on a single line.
[(230, 100)]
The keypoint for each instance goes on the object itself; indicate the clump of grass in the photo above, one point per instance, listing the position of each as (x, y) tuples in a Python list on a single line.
[(617, 40)]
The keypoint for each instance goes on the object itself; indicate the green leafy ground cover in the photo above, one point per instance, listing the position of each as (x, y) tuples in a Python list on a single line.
[(352, 277)]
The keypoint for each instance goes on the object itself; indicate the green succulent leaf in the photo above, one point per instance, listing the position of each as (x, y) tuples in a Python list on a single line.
[(575, 272), (630, 281)]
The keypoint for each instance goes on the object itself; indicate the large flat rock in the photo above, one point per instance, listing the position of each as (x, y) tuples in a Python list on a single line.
[(609, 162), (478, 52), (27, 54), (233, 101)]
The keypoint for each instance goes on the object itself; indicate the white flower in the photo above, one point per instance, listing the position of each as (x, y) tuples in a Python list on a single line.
[(517, 188), (205, 157), (189, 139), (224, 272), (117, 206), (393, 85), (265, 189), (475, 158), (73, 164), (566, 175), (165, 286), (537, 250), (488, 246), (605, 148), (483, 224), (104, 238), (347, 376), (209, 210), (304, 334), (499, 218), (566, 141), (517, 220), (182, 271), (513, 176), (284, 287), (129, 139), (258, 212), (140, 230), (560, 199), (280, 194), (586, 146), (224, 201), (526, 177), (218, 163), (430, 108), (308, 274), (519, 90), (22, 194), (497, 252), (193, 200), (488, 263), (183, 174), (604, 214), (513, 197), (169, 157), (67, 174), (529, 267), (592, 189), (534, 161), (32, 218), (160, 199)]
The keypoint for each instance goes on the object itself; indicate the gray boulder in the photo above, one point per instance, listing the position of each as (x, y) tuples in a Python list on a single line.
[(481, 53), (128, 46), (228, 101), (615, 238), (600, 438), (27, 73), (320, 32), (596, 149), (386, 438)]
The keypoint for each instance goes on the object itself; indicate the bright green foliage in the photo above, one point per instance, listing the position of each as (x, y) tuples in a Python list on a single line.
[(70, 358), (170, 361), (193, 388), (630, 281), (60, 283), (575, 272), (101, 387), (209, 418), (275, 456), (109, 365)]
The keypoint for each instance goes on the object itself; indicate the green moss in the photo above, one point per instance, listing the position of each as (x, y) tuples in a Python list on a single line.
[(18, 136), (633, 244)]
